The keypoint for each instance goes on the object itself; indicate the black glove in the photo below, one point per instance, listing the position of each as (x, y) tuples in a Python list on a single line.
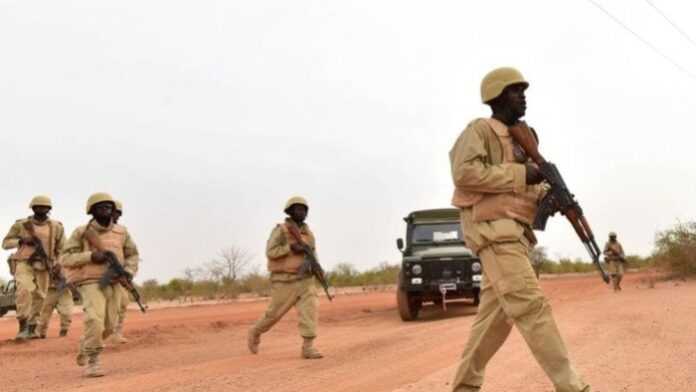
[(98, 257), (532, 174), (26, 241)]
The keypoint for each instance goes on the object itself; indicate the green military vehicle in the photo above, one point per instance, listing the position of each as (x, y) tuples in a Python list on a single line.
[(7, 297), (436, 266)]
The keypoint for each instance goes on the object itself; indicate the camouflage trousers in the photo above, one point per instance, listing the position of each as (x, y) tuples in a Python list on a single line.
[(511, 295), (32, 285), (123, 308), (101, 308), (285, 295), (62, 302), (616, 270)]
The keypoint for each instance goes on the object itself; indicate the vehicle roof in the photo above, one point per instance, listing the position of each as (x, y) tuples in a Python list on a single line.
[(434, 215)]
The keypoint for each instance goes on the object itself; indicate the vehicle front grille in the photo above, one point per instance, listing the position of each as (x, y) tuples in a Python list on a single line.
[(447, 269)]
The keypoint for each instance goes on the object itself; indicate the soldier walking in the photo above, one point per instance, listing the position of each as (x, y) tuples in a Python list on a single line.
[(615, 257), (85, 263), (39, 241), (497, 189), (285, 256), (60, 299)]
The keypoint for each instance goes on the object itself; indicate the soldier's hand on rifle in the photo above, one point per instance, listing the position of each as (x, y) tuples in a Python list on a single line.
[(296, 248), (27, 241), (532, 174), (99, 257)]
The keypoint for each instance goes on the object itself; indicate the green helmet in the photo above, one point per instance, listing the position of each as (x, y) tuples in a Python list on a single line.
[(40, 200), (612, 234), (495, 82), (119, 206), (98, 197), (295, 200)]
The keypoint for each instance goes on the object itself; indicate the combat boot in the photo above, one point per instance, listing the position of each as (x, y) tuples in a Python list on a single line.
[(308, 350), (117, 337), (23, 333), (253, 341), (32, 332), (63, 332), (93, 369), (81, 358)]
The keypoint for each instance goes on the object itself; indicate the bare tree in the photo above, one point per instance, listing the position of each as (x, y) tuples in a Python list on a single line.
[(230, 264), (193, 274)]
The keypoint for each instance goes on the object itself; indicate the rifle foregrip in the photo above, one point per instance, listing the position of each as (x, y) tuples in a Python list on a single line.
[(540, 221), (544, 212)]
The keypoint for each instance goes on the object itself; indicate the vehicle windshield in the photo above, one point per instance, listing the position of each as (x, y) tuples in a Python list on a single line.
[(437, 233)]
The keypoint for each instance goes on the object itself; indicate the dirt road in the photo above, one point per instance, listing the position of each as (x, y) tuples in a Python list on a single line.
[(639, 340)]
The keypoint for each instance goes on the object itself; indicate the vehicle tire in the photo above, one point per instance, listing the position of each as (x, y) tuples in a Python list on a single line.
[(408, 305), (3, 311)]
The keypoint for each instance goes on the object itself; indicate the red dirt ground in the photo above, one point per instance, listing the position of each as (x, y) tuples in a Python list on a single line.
[(642, 339)]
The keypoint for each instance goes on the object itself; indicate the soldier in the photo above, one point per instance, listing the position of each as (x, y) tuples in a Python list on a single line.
[(285, 256), (60, 299), (117, 336), (614, 256), (497, 190), (84, 263), (31, 272)]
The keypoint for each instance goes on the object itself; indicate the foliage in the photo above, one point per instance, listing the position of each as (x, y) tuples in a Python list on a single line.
[(675, 250), (565, 265), (345, 274)]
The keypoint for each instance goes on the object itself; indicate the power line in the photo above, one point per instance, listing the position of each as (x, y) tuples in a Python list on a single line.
[(644, 41), (679, 29)]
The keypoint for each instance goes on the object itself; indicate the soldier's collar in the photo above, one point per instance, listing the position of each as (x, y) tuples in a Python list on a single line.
[(38, 222), (498, 126), (292, 222), (98, 227)]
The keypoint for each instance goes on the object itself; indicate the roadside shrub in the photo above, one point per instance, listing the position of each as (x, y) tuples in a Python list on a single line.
[(564, 266), (150, 290), (635, 261), (675, 250), (345, 274), (256, 283)]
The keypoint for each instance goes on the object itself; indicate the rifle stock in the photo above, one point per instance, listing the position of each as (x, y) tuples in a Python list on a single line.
[(558, 198)]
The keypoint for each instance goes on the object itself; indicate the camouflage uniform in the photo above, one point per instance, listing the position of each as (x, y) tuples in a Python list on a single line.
[(496, 210), (289, 290), (101, 305), (615, 258), (60, 300), (32, 278)]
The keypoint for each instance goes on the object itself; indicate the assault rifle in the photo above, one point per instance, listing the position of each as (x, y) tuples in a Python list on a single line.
[(115, 271), (616, 255), (311, 265), (41, 256), (558, 198)]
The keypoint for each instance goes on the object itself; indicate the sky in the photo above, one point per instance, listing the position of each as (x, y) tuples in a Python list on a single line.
[(205, 117)]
